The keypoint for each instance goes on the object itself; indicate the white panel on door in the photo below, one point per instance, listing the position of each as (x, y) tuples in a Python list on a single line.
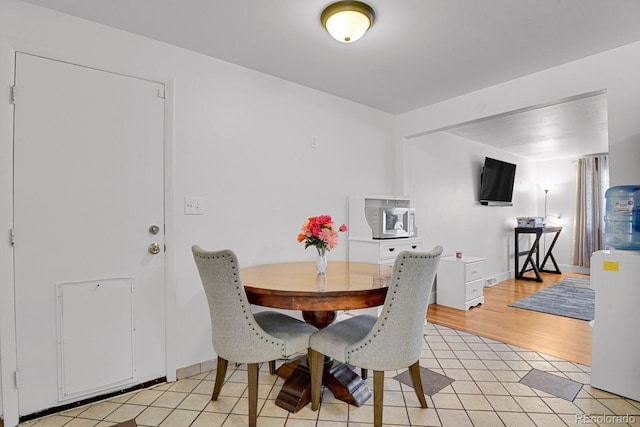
[(95, 336)]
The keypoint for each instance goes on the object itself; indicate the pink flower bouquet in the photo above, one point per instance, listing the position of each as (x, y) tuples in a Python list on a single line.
[(319, 231)]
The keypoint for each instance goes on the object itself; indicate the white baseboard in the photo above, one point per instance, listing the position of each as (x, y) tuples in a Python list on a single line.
[(565, 268), (574, 269), (497, 278)]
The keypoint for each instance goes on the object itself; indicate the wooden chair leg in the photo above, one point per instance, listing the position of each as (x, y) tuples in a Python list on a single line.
[(316, 369), (252, 369), (378, 391), (272, 367), (221, 372), (417, 383)]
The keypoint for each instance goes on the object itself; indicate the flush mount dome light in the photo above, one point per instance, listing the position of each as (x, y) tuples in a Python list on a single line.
[(347, 21)]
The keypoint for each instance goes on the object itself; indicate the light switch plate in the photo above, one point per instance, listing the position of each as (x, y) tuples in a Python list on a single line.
[(194, 205)]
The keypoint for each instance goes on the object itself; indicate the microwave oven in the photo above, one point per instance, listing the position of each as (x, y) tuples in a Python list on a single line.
[(388, 222)]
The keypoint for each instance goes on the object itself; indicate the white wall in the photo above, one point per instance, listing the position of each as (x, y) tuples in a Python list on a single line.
[(443, 172), (241, 140), (246, 148)]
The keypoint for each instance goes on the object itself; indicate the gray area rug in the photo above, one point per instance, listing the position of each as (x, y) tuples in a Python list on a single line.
[(432, 382), (570, 297), (557, 386)]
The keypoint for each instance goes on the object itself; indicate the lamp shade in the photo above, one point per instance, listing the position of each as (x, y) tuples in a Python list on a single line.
[(347, 21)]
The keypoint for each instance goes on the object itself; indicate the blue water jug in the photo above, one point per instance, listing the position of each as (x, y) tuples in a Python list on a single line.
[(622, 217)]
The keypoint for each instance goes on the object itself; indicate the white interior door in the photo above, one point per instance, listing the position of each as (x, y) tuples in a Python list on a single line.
[(88, 185)]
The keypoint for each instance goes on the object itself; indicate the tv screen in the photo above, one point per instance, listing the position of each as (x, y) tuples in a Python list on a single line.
[(497, 181)]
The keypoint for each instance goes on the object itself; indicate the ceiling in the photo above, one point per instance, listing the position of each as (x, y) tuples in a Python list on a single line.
[(570, 128), (417, 53)]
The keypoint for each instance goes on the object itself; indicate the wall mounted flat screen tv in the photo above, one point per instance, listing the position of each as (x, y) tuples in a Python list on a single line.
[(497, 180)]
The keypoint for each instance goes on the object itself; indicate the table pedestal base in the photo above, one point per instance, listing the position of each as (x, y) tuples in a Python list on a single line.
[(296, 390), (345, 385)]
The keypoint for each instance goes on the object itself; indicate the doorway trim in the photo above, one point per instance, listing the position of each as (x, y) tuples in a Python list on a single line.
[(9, 407)]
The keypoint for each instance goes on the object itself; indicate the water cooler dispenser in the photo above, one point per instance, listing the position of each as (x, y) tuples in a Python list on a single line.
[(622, 217), (615, 277)]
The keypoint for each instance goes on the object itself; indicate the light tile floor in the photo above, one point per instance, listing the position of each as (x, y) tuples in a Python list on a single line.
[(486, 392)]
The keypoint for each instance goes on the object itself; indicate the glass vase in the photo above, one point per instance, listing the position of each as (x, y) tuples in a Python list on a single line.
[(321, 261)]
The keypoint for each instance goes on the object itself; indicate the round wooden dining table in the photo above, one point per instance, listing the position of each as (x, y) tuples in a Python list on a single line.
[(297, 286)]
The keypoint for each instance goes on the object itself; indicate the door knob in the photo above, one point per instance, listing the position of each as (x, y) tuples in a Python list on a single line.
[(154, 248)]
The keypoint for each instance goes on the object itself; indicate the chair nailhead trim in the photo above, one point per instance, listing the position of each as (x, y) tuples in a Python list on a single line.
[(395, 291), (240, 291)]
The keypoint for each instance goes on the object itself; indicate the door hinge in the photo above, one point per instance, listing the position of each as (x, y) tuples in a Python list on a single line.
[(13, 237), (162, 93), (16, 376), (13, 94)]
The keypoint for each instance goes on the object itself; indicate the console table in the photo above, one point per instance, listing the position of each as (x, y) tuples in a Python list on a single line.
[(536, 267)]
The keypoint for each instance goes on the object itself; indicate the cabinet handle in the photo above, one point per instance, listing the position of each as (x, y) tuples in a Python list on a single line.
[(392, 249), (414, 246)]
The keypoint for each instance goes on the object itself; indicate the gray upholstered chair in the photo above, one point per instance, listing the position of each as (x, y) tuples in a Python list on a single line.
[(239, 335), (390, 341)]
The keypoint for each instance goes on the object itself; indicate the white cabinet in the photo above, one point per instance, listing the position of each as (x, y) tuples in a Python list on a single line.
[(382, 251), (460, 282), (615, 343)]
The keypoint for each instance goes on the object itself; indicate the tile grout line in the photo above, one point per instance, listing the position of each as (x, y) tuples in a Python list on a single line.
[(491, 355)]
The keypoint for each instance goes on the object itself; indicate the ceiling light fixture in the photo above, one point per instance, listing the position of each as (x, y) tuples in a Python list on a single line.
[(347, 21)]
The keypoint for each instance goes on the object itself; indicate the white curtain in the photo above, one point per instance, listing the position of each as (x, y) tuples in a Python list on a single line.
[(592, 180)]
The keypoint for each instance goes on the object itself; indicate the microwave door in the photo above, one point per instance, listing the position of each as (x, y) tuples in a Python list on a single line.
[(394, 224), (402, 225), (389, 225), (387, 220)]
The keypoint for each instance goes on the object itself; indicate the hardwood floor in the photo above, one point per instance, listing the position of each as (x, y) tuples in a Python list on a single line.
[(558, 336)]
